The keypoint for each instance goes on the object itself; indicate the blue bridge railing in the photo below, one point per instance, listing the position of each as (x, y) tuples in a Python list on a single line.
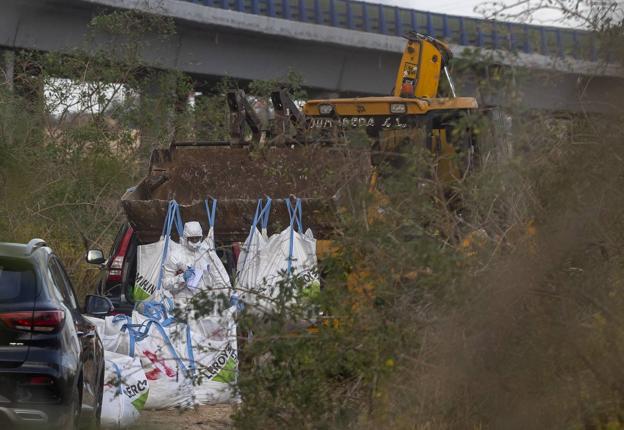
[(390, 20)]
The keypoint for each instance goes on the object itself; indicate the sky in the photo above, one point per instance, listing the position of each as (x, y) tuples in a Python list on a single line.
[(466, 8), (454, 7)]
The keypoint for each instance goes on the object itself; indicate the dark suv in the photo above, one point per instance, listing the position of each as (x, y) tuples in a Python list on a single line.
[(51, 358)]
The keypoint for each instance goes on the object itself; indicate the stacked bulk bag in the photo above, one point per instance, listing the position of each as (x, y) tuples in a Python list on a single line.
[(114, 337), (112, 333), (206, 348), (126, 389), (169, 378), (214, 356), (183, 363), (150, 346), (266, 262)]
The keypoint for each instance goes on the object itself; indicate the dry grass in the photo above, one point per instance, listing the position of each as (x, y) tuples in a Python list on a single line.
[(539, 341)]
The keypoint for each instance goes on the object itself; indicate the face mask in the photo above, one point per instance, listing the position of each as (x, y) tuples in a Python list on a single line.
[(193, 245)]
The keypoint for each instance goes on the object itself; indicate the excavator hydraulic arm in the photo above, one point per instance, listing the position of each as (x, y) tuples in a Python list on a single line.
[(241, 113), (286, 114)]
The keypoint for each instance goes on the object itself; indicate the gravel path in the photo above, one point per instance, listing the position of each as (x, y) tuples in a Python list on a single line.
[(202, 418)]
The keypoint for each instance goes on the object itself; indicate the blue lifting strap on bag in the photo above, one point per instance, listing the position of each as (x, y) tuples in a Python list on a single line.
[(117, 371), (173, 218), (295, 214), (132, 330), (211, 211), (261, 216)]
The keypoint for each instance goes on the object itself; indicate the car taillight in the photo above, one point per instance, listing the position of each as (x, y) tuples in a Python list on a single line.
[(115, 270), (40, 380), (114, 274), (37, 321), (117, 262), (37, 389)]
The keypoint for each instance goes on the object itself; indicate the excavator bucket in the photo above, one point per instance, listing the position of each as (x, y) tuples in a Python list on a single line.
[(326, 179)]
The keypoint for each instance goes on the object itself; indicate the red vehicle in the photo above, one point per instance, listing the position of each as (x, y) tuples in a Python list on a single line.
[(118, 271)]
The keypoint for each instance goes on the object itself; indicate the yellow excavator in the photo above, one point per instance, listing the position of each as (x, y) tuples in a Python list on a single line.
[(304, 153)]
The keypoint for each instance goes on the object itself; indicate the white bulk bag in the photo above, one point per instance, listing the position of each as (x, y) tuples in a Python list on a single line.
[(170, 385), (216, 364), (290, 252), (249, 263), (217, 286), (113, 337), (149, 265), (126, 390), (277, 261), (212, 361), (216, 275), (152, 256), (214, 357)]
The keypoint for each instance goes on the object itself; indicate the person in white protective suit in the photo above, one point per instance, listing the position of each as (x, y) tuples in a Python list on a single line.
[(194, 266)]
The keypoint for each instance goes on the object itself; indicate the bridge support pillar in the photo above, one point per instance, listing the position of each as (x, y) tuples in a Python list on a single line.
[(20, 77), (203, 124), (156, 94), (7, 68), (26, 80), (208, 118), (164, 100)]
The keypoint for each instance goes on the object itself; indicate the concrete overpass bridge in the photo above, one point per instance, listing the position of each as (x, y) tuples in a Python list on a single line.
[(338, 46)]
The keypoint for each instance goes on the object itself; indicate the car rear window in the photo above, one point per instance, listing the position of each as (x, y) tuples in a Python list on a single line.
[(18, 281)]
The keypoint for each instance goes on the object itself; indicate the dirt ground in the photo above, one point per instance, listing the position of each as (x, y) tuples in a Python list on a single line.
[(202, 418)]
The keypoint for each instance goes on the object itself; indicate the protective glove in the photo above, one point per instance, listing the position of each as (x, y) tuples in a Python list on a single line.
[(178, 282), (236, 301), (188, 274)]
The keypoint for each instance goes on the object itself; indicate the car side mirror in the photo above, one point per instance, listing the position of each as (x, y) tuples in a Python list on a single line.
[(95, 256), (98, 305)]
